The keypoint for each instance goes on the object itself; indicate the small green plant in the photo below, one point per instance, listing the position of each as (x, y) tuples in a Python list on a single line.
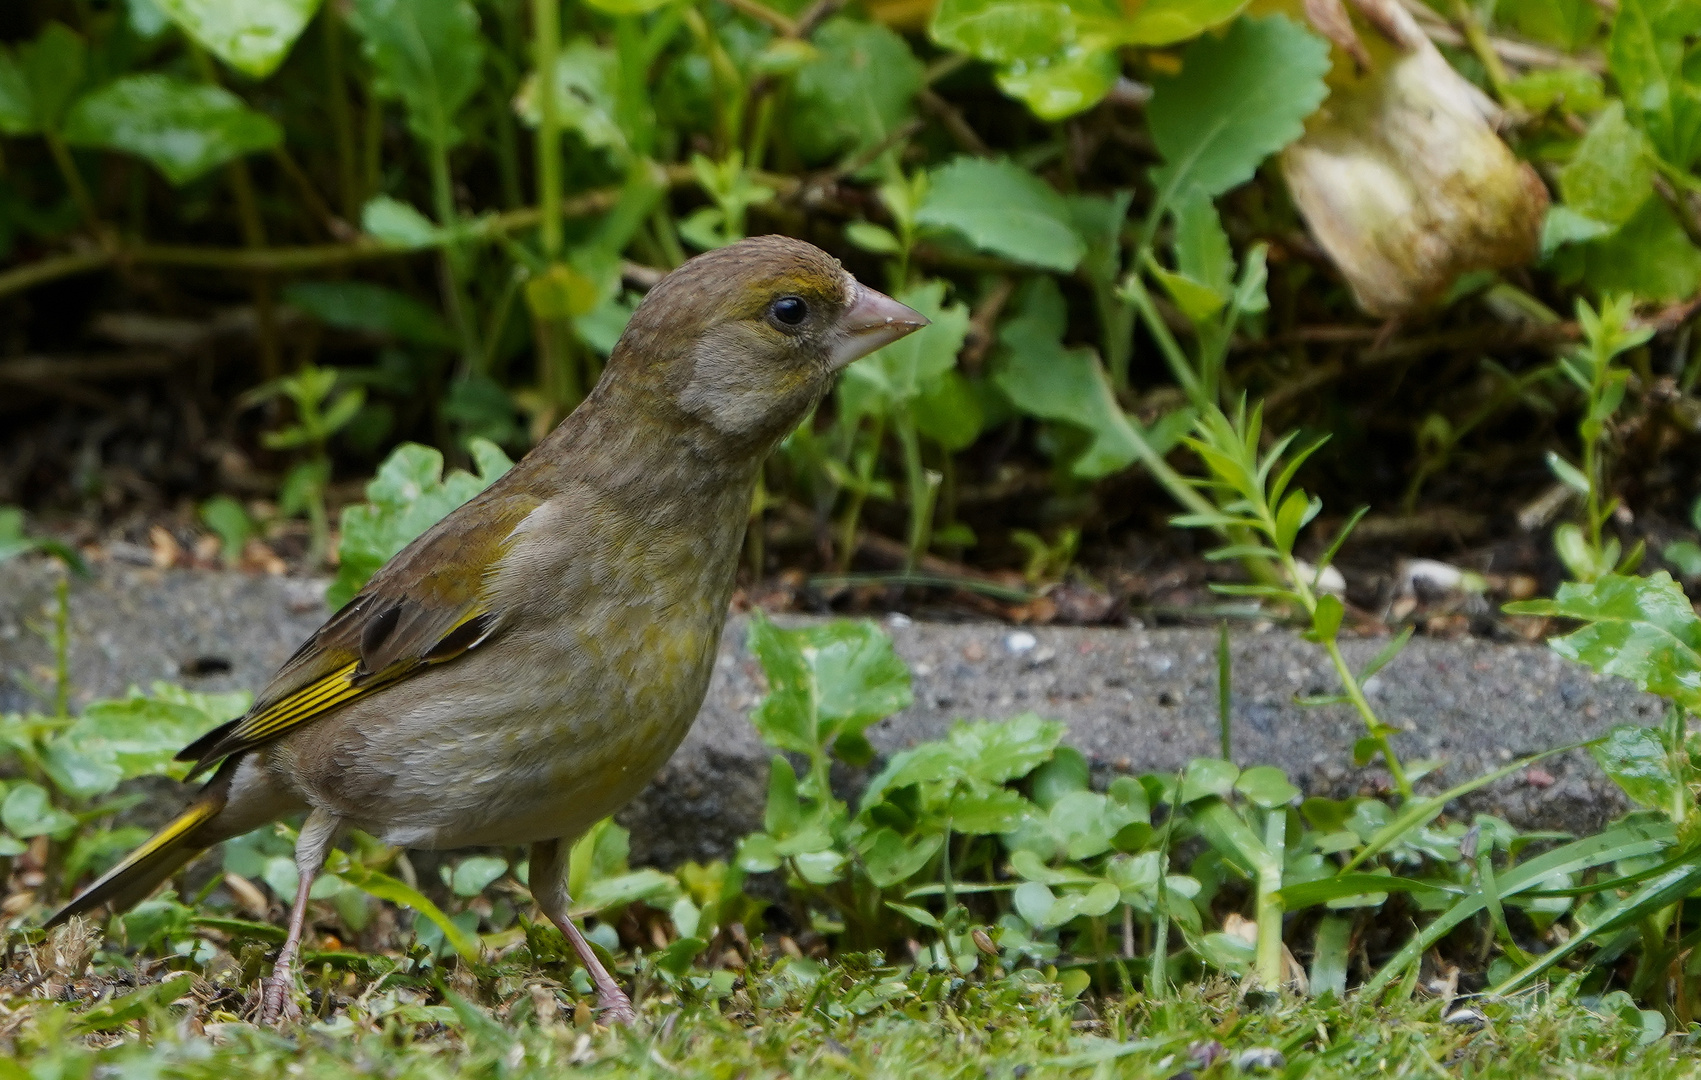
[(320, 412), (1586, 550), (1255, 499), (407, 496)]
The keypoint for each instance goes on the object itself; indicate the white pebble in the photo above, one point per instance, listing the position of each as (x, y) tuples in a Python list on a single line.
[(1020, 641)]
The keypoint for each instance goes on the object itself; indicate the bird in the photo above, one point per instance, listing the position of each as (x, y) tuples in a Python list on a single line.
[(521, 669)]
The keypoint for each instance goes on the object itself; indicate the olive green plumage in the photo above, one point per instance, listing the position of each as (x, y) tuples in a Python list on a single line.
[(522, 669)]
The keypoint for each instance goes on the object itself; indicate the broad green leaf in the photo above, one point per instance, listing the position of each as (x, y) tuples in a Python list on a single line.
[(399, 224), (984, 810), (1646, 55), (1059, 87), (1266, 786), (1066, 772), (825, 681), (1164, 22), (376, 309), (252, 36), (1238, 99), (859, 88), (586, 79), (1207, 776), (889, 858), (1198, 301), (1650, 256), (136, 735), (647, 886), (1685, 555), (1201, 247), (29, 811), (475, 873), (1002, 208), (900, 373), (1005, 750), (52, 67), (1060, 56), (146, 18), (1569, 24), (409, 495), (986, 752), (1087, 823), (182, 128), (428, 53), (1611, 174), (1574, 89), (1636, 760), (1023, 31), (1068, 385), (1643, 629), (1563, 225), (950, 413), (17, 103)]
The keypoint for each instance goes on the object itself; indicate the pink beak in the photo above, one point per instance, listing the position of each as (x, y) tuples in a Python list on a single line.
[(872, 321)]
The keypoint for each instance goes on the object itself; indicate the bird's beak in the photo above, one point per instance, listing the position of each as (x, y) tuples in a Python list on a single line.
[(872, 321)]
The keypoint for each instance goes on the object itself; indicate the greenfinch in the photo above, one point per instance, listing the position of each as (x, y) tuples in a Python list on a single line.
[(525, 666)]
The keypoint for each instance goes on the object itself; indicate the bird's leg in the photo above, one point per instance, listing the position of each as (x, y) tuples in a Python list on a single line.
[(549, 888), (277, 991)]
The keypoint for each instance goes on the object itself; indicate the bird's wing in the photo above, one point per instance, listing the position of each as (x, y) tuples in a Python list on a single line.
[(427, 606)]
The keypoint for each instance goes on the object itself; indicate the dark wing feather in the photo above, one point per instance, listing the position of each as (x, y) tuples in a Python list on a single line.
[(427, 606)]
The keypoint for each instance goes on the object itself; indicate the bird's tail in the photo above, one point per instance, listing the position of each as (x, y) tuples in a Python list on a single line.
[(163, 855)]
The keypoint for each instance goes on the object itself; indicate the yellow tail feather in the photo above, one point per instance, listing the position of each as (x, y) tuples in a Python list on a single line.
[(147, 866)]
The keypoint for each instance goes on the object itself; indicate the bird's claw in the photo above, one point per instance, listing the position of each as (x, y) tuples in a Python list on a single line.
[(277, 1000), (616, 1008)]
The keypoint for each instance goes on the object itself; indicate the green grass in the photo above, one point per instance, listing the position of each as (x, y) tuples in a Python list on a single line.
[(797, 1019)]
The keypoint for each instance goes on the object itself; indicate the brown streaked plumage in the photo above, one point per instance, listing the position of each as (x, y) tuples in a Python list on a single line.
[(522, 668)]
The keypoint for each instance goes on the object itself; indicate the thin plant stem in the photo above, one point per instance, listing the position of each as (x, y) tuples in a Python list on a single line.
[(454, 255), (342, 116), (922, 488), (67, 167), (546, 44), (859, 495), (1269, 905)]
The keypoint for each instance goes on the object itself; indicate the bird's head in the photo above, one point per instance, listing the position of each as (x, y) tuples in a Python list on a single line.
[(746, 339)]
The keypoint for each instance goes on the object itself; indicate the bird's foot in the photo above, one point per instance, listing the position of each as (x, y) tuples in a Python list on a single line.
[(615, 1007), (277, 998)]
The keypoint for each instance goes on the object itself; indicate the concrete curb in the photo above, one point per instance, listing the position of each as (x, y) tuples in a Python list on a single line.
[(1135, 700)]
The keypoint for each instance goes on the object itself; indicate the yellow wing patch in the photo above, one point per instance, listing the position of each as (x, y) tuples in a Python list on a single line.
[(314, 698), (327, 692)]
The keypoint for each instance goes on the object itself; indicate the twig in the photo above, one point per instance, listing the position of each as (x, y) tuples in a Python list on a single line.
[(29, 370), (316, 256), (1477, 37), (952, 117), (317, 207), (814, 15), (1513, 52), (51, 268), (856, 163), (761, 12)]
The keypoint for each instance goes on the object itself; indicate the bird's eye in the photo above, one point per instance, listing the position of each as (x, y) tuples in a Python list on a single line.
[(790, 310)]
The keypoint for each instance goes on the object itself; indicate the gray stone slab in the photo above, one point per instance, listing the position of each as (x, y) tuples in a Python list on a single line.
[(1135, 699)]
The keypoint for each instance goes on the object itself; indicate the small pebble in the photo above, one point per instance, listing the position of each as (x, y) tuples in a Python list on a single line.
[(1259, 1059), (898, 620), (1020, 641)]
